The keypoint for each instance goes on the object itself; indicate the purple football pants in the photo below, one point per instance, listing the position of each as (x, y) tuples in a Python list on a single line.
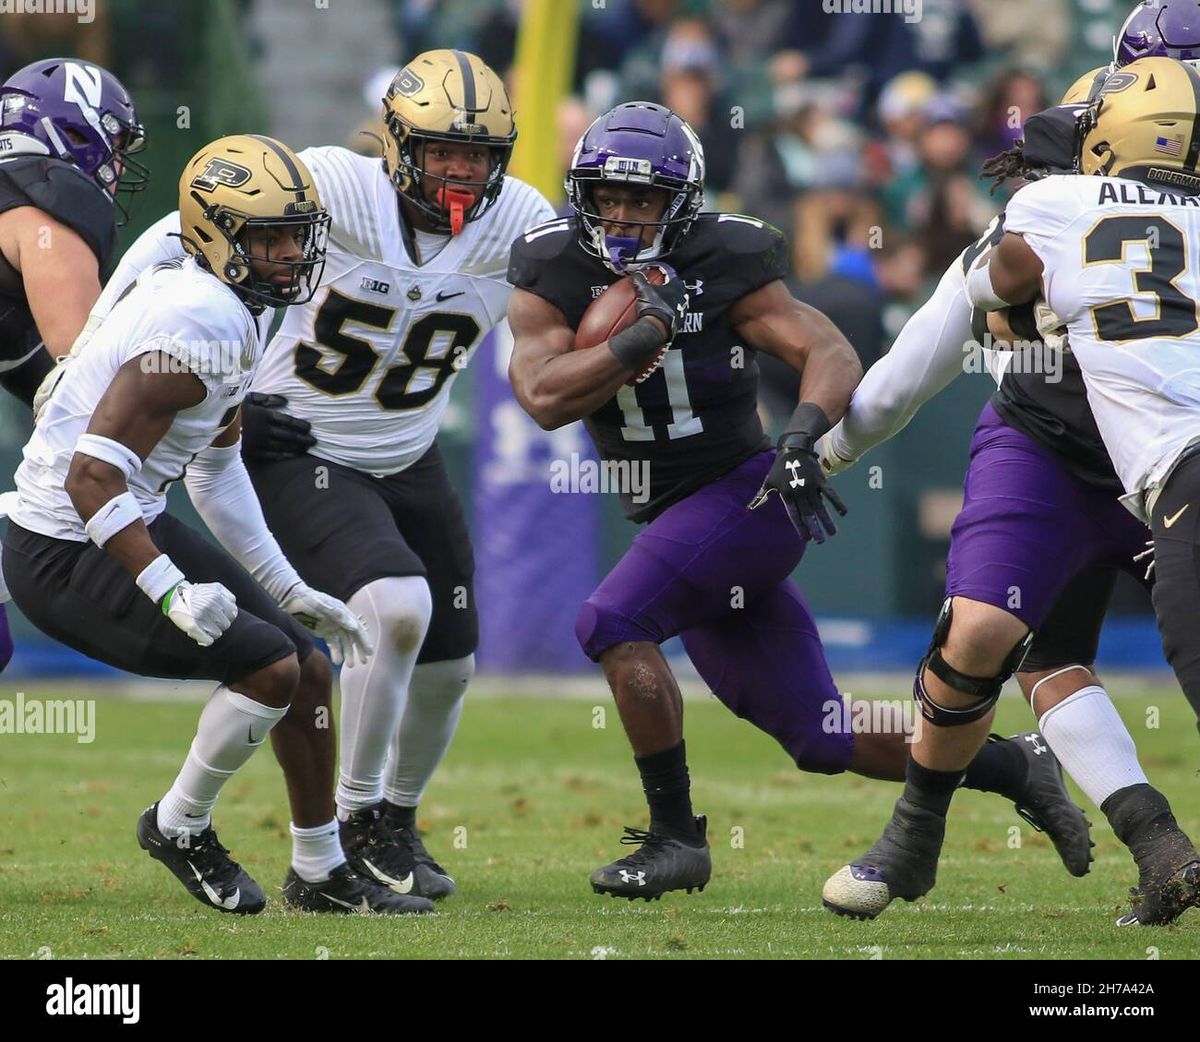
[(1028, 525), (716, 573)]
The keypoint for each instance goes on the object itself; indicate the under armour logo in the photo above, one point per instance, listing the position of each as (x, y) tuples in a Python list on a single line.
[(633, 877), (794, 465), (1038, 747), (696, 287)]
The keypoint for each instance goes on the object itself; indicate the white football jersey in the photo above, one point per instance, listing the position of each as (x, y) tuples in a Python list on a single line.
[(1122, 270), (179, 310), (370, 360)]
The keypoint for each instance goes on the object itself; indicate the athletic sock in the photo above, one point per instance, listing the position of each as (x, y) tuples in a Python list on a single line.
[(396, 610), (1140, 814), (667, 786), (997, 767), (399, 815), (436, 695), (1092, 743), (929, 789), (316, 851), (231, 728)]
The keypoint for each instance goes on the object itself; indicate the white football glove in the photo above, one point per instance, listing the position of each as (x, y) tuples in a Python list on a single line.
[(330, 620), (46, 388), (1050, 326), (202, 610), (831, 462)]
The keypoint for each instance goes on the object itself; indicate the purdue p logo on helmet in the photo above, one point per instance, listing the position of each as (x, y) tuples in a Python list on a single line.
[(251, 186), (451, 96), (1143, 125)]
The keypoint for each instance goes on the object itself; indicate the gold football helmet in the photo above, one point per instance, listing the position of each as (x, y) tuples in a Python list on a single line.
[(239, 194), (451, 96), (1143, 125), (1085, 88)]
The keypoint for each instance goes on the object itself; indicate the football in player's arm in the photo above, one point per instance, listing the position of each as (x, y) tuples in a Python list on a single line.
[(557, 385)]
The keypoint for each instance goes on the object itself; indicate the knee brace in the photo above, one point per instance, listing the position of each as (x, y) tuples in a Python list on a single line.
[(985, 689)]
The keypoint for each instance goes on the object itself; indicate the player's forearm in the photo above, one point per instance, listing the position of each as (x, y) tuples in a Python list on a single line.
[(92, 485), (224, 497), (829, 379), (926, 357), (567, 387)]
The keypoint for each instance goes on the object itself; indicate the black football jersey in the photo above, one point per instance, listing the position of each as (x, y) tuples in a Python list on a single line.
[(70, 197), (1054, 414), (696, 418)]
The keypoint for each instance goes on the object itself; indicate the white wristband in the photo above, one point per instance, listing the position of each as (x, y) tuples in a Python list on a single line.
[(111, 452), (159, 578), (118, 513), (980, 289)]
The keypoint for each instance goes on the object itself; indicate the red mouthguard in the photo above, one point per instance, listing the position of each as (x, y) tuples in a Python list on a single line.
[(458, 203)]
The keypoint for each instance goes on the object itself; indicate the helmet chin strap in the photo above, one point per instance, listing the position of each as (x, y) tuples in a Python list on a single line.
[(457, 203)]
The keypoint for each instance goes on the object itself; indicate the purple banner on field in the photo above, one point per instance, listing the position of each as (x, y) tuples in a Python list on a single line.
[(536, 550)]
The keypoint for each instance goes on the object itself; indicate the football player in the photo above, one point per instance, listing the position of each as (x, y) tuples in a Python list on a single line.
[(1111, 254), (1036, 449), (67, 131), (705, 567), (350, 478), (94, 561)]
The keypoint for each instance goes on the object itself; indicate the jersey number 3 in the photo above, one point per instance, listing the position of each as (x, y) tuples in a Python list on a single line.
[(436, 345), (1105, 244)]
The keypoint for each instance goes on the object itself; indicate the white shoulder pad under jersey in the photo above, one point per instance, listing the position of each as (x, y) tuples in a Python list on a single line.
[(370, 360), (1122, 270), (178, 310), (158, 244)]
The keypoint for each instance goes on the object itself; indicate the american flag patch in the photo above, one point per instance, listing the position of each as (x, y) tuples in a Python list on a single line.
[(1168, 146)]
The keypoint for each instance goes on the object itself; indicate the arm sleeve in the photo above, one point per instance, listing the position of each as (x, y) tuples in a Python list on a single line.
[(927, 355), (223, 496)]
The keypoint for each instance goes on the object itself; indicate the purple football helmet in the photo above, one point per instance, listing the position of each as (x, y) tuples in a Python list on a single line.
[(81, 114), (1159, 29), (637, 143)]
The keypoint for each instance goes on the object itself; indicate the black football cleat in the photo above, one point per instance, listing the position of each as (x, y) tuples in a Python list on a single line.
[(203, 866), (902, 863), (1168, 879), (373, 851), (1045, 803), (661, 863), (346, 892), (431, 880)]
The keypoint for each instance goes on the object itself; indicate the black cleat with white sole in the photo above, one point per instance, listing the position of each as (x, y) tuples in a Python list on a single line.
[(902, 863), (373, 851), (1045, 803), (661, 863), (432, 880), (203, 866), (345, 892)]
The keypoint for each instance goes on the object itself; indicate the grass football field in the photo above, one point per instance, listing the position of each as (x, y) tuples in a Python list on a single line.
[(533, 797)]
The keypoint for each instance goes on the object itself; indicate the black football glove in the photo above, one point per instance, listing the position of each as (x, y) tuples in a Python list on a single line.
[(667, 302), (270, 434), (797, 477)]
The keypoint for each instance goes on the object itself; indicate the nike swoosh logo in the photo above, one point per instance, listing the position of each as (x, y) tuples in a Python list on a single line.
[(401, 886), (449, 296), (229, 903), (364, 907), (1169, 521)]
